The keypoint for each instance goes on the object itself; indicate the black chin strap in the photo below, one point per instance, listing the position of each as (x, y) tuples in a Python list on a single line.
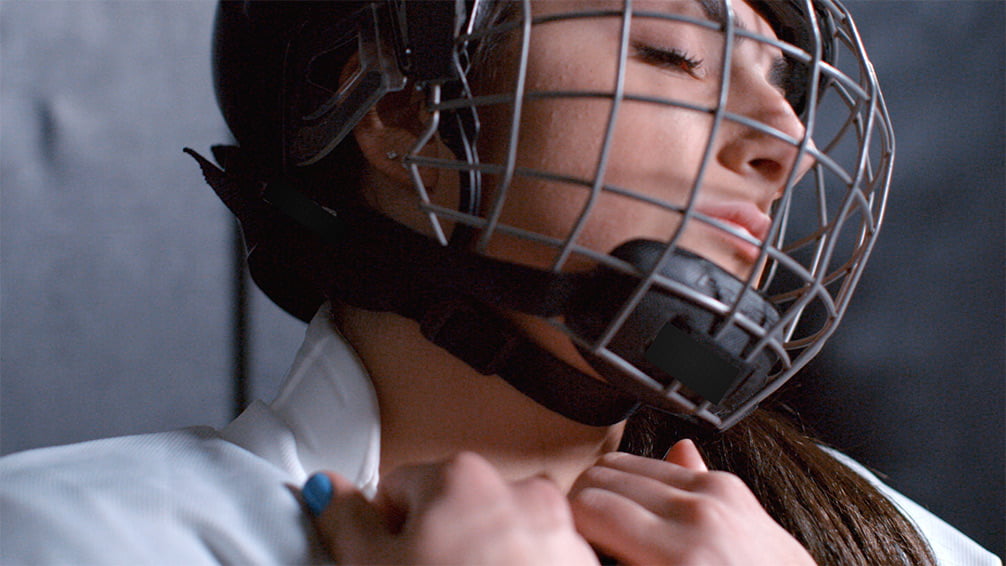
[(374, 263), (492, 346)]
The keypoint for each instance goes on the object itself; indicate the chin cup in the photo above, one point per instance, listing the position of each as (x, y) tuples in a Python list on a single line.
[(698, 340)]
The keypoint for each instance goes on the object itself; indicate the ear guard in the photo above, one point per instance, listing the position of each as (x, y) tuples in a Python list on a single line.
[(396, 42), (689, 337)]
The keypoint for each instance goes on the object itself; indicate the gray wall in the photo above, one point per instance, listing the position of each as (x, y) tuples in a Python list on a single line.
[(116, 264), (913, 382), (116, 258)]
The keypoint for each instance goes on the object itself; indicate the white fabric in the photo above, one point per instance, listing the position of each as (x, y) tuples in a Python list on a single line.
[(950, 546), (200, 496), (328, 408)]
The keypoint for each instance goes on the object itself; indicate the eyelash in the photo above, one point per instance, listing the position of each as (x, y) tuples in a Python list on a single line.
[(787, 77), (781, 73), (672, 59)]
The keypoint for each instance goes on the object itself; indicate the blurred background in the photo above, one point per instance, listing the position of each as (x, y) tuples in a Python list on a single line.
[(123, 308)]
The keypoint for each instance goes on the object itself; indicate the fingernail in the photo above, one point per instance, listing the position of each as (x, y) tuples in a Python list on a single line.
[(317, 492)]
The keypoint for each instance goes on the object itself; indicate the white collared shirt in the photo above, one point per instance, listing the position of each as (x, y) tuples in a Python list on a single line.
[(202, 496), (325, 416), (198, 495)]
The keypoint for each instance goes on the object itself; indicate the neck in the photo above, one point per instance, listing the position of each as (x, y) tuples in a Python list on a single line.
[(433, 406)]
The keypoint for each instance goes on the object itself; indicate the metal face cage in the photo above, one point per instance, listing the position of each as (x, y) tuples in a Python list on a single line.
[(824, 218)]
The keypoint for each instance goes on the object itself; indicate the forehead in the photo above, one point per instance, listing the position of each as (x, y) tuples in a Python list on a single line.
[(708, 10)]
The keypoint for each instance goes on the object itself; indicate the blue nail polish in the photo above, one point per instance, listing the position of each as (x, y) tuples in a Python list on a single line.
[(317, 492)]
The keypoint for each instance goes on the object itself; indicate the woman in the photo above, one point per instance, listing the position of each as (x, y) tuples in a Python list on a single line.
[(564, 152), (577, 131)]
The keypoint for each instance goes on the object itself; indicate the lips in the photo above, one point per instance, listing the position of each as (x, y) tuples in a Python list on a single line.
[(744, 218)]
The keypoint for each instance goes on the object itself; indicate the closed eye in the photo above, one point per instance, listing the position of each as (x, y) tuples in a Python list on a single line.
[(671, 59)]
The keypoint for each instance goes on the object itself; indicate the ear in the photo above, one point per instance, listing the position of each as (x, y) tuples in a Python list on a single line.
[(389, 129)]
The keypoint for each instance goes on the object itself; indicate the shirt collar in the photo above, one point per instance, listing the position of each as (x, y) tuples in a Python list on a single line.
[(325, 417)]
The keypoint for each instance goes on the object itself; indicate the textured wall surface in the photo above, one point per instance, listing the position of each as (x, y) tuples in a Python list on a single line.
[(116, 264), (116, 257)]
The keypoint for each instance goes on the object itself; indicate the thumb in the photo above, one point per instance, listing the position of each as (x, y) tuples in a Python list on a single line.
[(685, 454), (348, 524)]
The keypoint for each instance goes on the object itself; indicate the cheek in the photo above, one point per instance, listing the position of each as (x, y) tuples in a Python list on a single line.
[(655, 151), (558, 152), (563, 137)]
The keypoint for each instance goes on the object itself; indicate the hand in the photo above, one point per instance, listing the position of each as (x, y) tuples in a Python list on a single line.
[(455, 512), (645, 511)]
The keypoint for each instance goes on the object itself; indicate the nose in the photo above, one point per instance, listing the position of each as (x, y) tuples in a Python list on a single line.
[(765, 154)]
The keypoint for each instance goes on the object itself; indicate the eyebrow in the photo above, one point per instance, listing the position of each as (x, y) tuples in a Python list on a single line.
[(781, 66), (715, 11)]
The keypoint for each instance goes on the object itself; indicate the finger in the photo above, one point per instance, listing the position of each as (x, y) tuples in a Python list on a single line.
[(403, 491), (543, 503), (685, 454), (619, 527), (463, 480), (348, 525), (669, 473), (655, 496), (462, 510), (317, 493)]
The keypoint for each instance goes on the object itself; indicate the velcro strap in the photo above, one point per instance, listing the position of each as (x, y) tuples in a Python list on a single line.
[(491, 345)]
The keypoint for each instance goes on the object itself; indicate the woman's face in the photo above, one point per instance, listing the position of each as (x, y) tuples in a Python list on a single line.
[(656, 150)]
